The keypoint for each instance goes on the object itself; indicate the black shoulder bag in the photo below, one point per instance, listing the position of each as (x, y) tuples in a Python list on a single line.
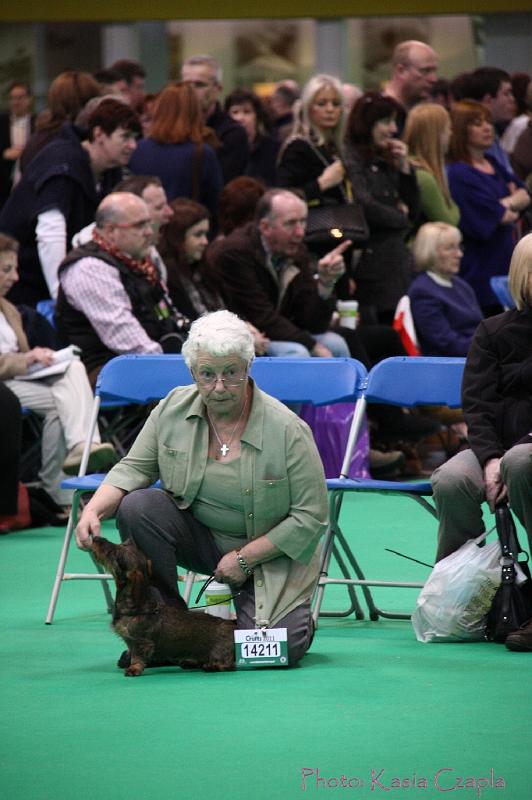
[(512, 604)]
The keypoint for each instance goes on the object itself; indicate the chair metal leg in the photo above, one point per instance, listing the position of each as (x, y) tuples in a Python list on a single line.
[(62, 560)]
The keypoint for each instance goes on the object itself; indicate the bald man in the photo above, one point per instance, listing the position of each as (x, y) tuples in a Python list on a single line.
[(111, 300), (414, 72)]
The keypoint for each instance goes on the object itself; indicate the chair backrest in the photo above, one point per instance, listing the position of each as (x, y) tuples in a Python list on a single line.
[(320, 381), (141, 379), (499, 287), (407, 381)]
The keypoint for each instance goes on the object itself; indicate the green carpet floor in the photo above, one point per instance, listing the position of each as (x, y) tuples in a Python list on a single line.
[(369, 713)]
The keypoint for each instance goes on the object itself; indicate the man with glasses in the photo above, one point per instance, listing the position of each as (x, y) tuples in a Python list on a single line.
[(205, 74), (111, 300), (414, 73)]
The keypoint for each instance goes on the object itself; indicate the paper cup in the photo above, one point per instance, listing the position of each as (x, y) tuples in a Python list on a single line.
[(348, 313)]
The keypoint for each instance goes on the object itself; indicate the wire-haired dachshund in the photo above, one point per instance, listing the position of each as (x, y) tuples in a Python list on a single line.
[(155, 632)]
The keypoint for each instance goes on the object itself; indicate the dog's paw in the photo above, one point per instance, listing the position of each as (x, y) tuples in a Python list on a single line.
[(134, 670), (219, 666)]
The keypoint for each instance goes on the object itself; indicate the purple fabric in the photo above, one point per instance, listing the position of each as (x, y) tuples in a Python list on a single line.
[(330, 426)]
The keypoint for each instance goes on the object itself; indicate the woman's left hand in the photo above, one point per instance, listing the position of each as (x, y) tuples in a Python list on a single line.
[(228, 570)]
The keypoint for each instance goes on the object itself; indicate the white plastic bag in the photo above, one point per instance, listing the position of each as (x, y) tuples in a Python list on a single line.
[(454, 603)]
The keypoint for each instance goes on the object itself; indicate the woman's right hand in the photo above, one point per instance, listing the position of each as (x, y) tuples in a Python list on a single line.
[(331, 176), (88, 527), (42, 355), (493, 483)]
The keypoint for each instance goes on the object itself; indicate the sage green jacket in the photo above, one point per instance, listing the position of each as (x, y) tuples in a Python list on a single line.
[(283, 489)]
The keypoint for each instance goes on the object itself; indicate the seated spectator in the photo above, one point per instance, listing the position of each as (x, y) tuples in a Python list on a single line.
[(193, 285), (497, 404), (64, 400), (205, 75), (522, 153), (111, 300), (444, 307), (150, 189), (67, 95), (59, 193), (237, 204), (246, 108), (267, 279), (176, 150)]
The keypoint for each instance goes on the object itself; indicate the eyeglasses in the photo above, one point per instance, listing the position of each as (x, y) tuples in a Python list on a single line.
[(138, 226), (230, 379)]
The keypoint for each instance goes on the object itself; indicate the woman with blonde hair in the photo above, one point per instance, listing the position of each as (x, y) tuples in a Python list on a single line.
[(427, 135), (444, 307), (179, 149), (497, 405), (311, 158)]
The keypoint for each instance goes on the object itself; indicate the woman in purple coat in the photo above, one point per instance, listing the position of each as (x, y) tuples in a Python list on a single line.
[(489, 199), (444, 307)]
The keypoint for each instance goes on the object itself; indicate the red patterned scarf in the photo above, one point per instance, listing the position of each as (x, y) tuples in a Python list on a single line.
[(145, 267)]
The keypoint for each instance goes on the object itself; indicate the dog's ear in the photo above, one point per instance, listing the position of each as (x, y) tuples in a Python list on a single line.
[(137, 582)]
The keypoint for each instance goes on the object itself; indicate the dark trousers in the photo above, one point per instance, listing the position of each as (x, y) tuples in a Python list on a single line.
[(169, 537), (10, 436)]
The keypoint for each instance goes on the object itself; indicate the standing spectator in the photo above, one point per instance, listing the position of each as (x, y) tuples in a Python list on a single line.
[(134, 76), (414, 73), (493, 88), (385, 184), (427, 136), (175, 150), (522, 154), (514, 129), (246, 108), (490, 200), (15, 130), (59, 193), (282, 104), (205, 74), (67, 95), (10, 434)]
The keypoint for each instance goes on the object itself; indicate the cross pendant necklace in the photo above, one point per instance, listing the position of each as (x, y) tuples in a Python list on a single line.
[(225, 448)]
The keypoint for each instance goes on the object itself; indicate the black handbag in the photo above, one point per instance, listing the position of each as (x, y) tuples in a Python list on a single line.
[(333, 224), (329, 224), (512, 604)]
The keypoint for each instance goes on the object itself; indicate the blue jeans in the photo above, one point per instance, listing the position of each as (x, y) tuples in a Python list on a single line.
[(336, 344)]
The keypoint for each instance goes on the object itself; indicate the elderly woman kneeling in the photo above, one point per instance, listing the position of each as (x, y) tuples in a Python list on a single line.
[(244, 495)]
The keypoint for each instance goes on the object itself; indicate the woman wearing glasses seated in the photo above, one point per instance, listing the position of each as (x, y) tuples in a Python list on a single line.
[(243, 497)]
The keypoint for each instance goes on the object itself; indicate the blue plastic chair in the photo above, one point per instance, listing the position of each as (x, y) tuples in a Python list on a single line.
[(499, 287), (401, 381), (123, 381), (47, 309), (144, 379)]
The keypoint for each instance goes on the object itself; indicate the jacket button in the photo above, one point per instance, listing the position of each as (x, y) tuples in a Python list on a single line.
[(248, 491), (259, 583), (250, 516)]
